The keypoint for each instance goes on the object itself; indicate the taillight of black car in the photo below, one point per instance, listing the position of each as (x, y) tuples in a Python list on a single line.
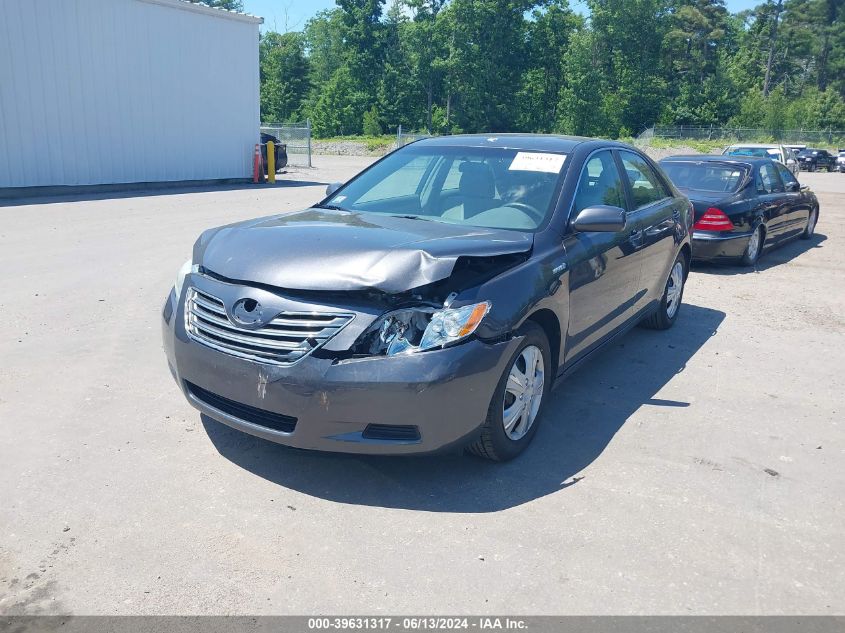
[(713, 220)]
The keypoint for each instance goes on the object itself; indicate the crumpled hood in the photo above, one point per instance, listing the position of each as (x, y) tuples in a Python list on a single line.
[(320, 249)]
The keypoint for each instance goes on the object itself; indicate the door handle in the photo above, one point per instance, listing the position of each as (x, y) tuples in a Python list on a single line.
[(658, 229), (636, 238)]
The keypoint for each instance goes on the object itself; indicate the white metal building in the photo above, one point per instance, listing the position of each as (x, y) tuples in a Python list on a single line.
[(119, 91)]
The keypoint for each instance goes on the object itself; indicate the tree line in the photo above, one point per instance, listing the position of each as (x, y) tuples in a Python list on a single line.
[(451, 66)]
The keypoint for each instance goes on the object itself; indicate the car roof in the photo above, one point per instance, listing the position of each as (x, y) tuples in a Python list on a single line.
[(717, 158), (760, 145), (537, 142)]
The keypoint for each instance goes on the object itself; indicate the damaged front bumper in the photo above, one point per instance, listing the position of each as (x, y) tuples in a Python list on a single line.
[(413, 403)]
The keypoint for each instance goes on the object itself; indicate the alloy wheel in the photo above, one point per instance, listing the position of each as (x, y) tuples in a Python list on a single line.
[(811, 223), (523, 392), (674, 289), (753, 248)]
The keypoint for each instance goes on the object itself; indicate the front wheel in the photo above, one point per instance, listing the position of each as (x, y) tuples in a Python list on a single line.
[(667, 311), (512, 416), (811, 225)]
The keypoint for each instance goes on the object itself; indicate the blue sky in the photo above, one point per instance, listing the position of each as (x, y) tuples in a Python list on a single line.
[(291, 15)]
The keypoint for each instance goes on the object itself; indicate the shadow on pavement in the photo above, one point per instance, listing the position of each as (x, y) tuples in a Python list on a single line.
[(775, 257), (48, 195), (581, 418)]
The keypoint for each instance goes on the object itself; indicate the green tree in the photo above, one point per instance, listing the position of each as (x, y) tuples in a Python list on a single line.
[(324, 45), (340, 107), (814, 32), (424, 42), (397, 102), (581, 104), (364, 40), (372, 125), (487, 57), (620, 60), (549, 32), (284, 75), (522, 65)]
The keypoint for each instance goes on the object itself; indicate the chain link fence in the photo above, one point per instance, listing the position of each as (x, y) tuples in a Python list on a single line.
[(297, 137), (745, 134), (403, 138)]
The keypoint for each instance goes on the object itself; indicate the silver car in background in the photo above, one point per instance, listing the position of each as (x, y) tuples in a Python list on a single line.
[(780, 153)]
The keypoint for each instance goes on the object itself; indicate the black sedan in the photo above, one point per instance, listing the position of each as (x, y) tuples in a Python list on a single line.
[(813, 159), (743, 205), (433, 299)]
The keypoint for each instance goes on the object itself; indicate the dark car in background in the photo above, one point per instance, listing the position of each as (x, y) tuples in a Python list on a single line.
[(840, 161), (743, 205), (280, 152), (433, 299), (812, 159)]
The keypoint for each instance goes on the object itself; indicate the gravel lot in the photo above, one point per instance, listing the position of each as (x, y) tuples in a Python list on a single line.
[(697, 471)]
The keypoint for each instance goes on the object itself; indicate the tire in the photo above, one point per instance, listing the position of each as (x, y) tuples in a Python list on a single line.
[(667, 311), (495, 442), (812, 219), (752, 254)]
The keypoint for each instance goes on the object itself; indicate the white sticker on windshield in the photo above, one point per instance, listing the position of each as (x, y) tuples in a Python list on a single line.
[(536, 161)]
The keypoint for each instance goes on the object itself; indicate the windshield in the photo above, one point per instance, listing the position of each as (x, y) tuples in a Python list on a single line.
[(762, 152), (476, 186), (705, 176)]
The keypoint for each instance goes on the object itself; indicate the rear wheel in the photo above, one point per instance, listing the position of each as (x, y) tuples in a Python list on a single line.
[(512, 416), (754, 248), (811, 225), (670, 303)]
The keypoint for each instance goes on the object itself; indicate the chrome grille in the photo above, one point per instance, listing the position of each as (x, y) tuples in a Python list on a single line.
[(287, 338)]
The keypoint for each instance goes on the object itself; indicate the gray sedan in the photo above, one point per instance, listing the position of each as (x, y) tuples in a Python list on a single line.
[(431, 301)]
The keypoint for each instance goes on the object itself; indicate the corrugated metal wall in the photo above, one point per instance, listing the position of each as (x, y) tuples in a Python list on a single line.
[(111, 91)]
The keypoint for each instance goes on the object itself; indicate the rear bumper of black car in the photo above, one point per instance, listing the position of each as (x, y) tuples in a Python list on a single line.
[(708, 246)]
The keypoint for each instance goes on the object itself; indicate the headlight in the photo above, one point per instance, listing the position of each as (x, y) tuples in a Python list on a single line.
[(187, 267), (419, 329)]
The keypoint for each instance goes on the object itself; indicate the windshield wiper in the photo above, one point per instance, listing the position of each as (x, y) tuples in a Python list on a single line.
[(330, 207), (413, 217)]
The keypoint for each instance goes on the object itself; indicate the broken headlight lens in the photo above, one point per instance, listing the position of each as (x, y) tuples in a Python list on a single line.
[(187, 267), (419, 329)]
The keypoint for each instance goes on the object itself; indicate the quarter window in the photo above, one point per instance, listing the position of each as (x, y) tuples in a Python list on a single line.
[(600, 183), (645, 183)]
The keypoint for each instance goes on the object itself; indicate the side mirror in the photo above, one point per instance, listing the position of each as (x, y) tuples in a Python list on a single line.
[(600, 218), (333, 187), (793, 186)]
